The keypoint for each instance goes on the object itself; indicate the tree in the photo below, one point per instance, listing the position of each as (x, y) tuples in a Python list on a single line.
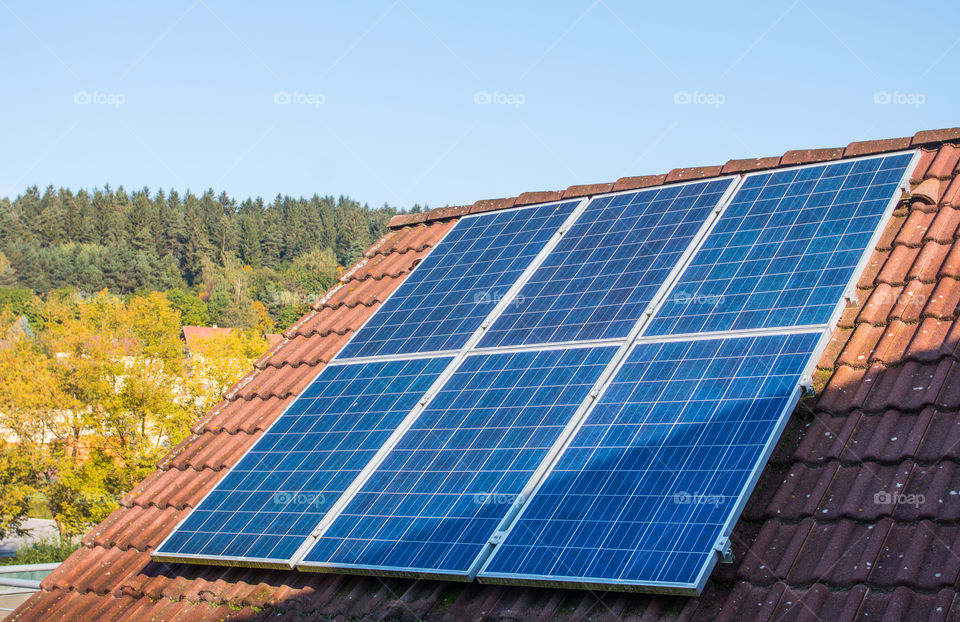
[(17, 486)]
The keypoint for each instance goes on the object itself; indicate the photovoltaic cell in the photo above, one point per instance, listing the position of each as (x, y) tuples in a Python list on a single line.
[(440, 494), (784, 250), (447, 297), (643, 491), (607, 268), (276, 495)]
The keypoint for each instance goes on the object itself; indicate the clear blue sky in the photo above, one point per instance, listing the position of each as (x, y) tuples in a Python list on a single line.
[(383, 95)]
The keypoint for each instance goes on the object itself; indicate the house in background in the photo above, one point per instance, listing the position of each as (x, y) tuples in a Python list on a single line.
[(814, 542)]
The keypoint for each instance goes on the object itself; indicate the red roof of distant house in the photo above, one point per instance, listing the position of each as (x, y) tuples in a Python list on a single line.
[(811, 544), (195, 334)]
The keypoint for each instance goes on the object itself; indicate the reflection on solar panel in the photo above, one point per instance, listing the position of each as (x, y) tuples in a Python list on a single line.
[(440, 494), (646, 486), (277, 494), (784, 250), (602, 275), (446, 298)]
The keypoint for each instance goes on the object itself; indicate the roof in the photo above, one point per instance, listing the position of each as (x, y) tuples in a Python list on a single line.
[(193, 335), (812, 543)]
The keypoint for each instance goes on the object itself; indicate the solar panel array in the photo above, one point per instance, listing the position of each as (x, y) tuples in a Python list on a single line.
[(573, 393)]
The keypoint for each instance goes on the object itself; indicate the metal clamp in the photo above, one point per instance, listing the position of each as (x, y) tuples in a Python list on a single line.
[(722, 548)]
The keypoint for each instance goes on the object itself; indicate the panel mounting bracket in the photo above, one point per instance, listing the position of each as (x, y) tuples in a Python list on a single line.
[(850, 295), (806, 386), (723, 549), (497, 537)]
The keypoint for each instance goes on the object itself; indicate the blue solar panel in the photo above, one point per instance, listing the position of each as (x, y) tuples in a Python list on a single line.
[(643, 491), (602, 275), (448, 296), (784, 250), (440, 494), (276, 495)]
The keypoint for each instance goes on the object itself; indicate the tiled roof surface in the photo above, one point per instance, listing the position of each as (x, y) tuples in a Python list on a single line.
[(813, 542)]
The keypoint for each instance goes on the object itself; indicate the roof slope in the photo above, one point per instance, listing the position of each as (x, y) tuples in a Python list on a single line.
[(813, 542)]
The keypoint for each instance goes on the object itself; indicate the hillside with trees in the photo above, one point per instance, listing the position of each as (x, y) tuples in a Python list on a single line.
[(221, 261)]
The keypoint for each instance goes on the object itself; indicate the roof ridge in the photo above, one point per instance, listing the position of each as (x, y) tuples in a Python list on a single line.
[(793, 157)]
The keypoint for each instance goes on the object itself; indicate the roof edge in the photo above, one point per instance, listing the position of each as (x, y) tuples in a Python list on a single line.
[(923, 138)]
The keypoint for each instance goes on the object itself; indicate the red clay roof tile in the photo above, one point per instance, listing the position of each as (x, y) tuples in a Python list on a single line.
[(634, 183), (544, 196), (587, 190), (695, 172), (869, 147), (926, 137), (928, 191), (926, 159), (808, 156), (749, 164), (489, 205)]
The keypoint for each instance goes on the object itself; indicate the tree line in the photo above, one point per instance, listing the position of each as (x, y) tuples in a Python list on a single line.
[(225, 262)]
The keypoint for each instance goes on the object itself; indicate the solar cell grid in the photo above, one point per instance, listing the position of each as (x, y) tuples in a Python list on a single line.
[(784, 250), (441, 304), (647, 483), (279, 491)]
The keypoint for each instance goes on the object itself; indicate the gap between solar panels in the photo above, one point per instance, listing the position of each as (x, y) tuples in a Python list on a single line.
[(449, 484)]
